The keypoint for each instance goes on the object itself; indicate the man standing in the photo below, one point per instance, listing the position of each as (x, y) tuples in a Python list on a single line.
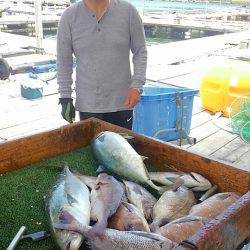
[(101, 33)]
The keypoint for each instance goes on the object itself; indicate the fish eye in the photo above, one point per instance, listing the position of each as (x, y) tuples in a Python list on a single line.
[(130, 226), (98, 136), (101, 137)]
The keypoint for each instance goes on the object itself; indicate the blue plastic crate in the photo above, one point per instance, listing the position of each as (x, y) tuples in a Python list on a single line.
[(164, 108)]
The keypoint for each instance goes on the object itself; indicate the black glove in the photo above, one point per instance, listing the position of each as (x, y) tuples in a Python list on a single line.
[(68, 109)]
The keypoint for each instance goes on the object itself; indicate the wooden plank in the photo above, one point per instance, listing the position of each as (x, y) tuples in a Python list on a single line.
[(203, 131), (244, 160), (214, 142), (188, 74), (197, 107), (20, 111), (32, 127), (233, 151), (225, 175), (199, 133), (228, 230), (200, 119)]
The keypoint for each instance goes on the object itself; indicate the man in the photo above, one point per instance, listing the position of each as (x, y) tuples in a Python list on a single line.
[(101, 33)]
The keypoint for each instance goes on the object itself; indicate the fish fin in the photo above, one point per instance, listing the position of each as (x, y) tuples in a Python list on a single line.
[(71, 200), (66, 217), (204, 183), (174, 169), (149, 235), (126, 136), (97, 230), (209, 193), (156, 224), (189, 218), (144, 157), (172, 179), (75, 226), (128, 206), (100, 169), (178, 182)]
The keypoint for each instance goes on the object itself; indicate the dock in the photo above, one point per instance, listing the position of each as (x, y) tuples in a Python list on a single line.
[(21, 21), (186, 24), (180, 63)]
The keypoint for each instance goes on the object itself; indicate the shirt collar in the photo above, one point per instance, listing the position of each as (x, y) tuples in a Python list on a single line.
[(111, 4)]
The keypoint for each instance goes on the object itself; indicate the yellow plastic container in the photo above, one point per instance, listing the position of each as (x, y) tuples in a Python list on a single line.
[(223, 84)]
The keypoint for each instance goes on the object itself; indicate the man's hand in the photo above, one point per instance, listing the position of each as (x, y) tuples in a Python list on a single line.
[(68, 109), (133, 98)]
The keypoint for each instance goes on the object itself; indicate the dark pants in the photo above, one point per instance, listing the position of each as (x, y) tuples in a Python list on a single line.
[(121, 118)]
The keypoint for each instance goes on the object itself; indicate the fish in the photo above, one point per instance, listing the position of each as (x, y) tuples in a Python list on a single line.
[(164, 178), (106, 196), (182, 228), (128, 218), (194, 181), (87, 180), (115, 154), (141, 198), (172, 205), (215, 205), (120, 240), (91, 180), (68, 195), (203, 185)]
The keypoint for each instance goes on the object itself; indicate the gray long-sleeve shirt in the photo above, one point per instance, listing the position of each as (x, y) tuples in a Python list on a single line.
[(102, 50)]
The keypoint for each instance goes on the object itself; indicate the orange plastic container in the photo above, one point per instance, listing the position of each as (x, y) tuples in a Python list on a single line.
[(223, 84)]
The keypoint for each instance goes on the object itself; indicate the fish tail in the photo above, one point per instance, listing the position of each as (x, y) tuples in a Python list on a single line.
[(152, 185), (97, 230), (160, 190)]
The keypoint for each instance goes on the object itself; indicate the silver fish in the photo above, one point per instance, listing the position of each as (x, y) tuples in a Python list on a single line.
[(194, 181), (115, 154), (141, 198), (172, 205), (69, 195), (87, 180), (121, 240), (106, 197)]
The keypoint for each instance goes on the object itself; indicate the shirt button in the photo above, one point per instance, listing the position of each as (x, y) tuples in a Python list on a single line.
[(93, 15), (99, 30)]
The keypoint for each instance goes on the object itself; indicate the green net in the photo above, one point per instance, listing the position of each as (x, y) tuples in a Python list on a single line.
[(239, 114)]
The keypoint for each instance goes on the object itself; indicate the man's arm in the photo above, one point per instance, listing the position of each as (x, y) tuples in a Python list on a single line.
[(64, 57), (138, 48)]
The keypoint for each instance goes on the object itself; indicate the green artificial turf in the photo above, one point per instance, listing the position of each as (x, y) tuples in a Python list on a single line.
[(22, 196)]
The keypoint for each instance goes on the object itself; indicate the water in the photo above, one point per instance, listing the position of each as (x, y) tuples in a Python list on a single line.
[(164, 5), (161, 5)]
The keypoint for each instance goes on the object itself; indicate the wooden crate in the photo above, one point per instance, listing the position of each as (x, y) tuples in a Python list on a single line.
[(227, 231)]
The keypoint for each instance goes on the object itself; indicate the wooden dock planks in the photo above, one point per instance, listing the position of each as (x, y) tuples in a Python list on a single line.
[(233, 151)]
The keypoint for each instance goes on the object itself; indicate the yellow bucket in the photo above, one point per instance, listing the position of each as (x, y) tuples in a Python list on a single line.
[(223, 84)]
